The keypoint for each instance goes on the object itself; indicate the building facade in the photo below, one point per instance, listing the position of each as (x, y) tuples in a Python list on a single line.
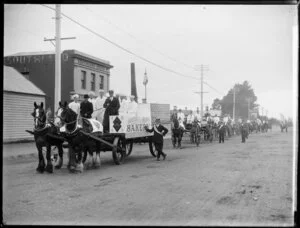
[(80, 73), (19, 94)]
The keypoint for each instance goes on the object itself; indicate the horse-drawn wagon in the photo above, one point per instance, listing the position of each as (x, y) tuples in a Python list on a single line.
[(125, 130)]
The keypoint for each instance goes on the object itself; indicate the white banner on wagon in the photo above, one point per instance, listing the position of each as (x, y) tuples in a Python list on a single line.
[(132, 124)]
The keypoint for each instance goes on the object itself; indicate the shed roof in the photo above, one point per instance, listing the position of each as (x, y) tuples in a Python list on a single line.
[(16, 82)]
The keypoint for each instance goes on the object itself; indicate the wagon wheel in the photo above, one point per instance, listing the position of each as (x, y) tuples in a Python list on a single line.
[(152, 148), (129, 146), (119, 151)]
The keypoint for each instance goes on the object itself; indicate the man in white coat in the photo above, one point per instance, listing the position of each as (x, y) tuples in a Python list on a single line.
[(190, 118), (92, 99), (132, 106), (75, 105), (99, 109), (123, 105), (180, 117)]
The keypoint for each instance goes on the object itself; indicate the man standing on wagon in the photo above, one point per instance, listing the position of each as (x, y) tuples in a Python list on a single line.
[(111, 106), (99, 106), (159, 132), (86, 107)]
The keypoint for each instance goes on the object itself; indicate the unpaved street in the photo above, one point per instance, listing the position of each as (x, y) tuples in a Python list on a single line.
[(214, 184)]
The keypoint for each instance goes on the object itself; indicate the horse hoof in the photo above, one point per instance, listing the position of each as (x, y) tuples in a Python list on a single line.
[(49, 168), (40, 169), (59, 163), (97, 162), (79, 168)]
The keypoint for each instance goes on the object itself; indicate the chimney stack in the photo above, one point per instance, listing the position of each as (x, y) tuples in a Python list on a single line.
[(133, 82)]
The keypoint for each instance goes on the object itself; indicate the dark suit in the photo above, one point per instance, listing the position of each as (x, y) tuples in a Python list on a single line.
[(86, 109), (158, 139), (221, 129), (244, 132), (111, 108)]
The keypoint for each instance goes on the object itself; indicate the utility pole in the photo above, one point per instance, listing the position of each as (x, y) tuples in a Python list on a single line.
[(57, 89), (202, 68), (57, 93)]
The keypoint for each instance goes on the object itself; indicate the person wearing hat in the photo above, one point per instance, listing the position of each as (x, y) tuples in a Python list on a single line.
[(132, 106), (75, 105), (159, 132), (86, 107), (221, 129), (99, 109), (111, 106), (244, 131)]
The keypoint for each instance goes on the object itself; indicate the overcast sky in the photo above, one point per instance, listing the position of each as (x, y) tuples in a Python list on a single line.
[(236, 42)]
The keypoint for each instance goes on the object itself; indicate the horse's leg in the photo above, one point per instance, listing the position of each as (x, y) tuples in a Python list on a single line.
[(89, 160), (97, 162), (59, 162), (49, 167), (41, 165), (72, 159), (173, 140), (79, 165), (179, 140)]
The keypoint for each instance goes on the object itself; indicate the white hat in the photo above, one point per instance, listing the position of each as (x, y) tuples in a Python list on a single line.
[(75, 96), (91, 93)]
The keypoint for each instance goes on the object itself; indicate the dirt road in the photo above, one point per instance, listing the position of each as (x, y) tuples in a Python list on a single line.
[(214, 184)]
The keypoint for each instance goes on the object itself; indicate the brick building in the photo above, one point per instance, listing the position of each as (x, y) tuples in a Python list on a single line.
[(80, 72)]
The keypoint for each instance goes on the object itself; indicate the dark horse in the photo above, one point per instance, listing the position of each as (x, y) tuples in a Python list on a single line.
[(42, 136), (79, 142), (283, 126), (177, 133)]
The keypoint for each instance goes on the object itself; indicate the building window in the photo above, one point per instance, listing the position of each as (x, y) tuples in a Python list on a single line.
[(101, 82), (83, 79), (93, 81)]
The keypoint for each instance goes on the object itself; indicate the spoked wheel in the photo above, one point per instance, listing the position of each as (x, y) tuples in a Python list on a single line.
[(119, 152), (152, 148), (129, 146)]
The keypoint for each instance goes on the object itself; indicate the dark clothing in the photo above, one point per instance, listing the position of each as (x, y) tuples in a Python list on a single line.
[(86, 109), (244, 132), (111, 109), (158, 139), (159, 148), (222, 129)]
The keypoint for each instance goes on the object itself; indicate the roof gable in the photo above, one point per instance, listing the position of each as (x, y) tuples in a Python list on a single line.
[(16, 82)]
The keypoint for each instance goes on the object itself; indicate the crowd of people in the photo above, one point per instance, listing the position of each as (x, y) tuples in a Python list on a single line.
[(101, 107), (221, 123)]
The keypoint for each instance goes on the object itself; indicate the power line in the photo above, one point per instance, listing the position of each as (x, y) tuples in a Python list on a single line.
[(119, 46), (151, 47), (213, 88)]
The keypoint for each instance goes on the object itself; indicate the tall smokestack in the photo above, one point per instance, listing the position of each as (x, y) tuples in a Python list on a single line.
[(133, 83)]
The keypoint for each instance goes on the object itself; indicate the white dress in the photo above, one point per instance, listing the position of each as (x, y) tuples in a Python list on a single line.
[(99, 109)]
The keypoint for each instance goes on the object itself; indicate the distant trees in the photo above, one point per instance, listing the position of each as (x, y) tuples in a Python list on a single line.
[(243, 92)]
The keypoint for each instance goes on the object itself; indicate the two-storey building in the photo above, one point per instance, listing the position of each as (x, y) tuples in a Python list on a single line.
[(80, 72)]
